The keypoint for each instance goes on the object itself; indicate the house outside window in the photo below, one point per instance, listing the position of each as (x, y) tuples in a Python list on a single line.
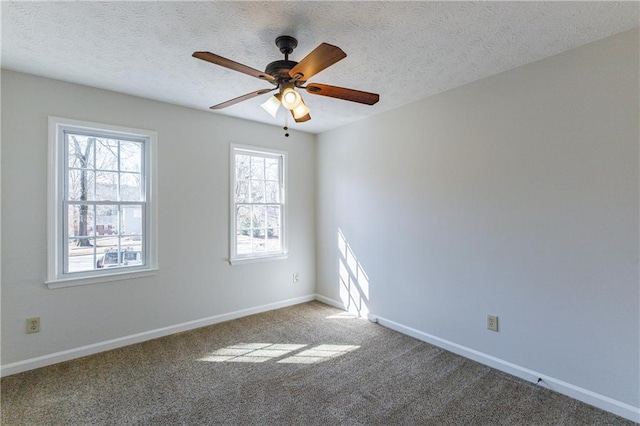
[(101, 202), (258, 213)]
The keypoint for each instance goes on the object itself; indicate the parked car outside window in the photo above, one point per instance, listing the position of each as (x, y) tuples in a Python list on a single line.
[(128, 257)]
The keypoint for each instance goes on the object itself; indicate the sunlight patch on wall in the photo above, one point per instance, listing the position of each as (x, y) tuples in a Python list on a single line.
[(354, 282), (261, 352)]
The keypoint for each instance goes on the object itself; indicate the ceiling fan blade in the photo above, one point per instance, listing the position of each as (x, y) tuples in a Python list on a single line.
[(228, 63), (242, 98), (320, 58), (343, 93), (301, 119)]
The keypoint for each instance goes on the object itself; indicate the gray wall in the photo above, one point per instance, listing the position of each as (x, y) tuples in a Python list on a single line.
[(195, 280), (516, 195)]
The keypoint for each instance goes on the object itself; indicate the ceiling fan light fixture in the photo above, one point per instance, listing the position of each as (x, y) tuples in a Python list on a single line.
[(300, 111), (290, 98), (271, 105)]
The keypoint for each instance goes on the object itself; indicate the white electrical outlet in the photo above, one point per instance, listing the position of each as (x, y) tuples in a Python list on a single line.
[(492, 322), (296, 277), (33, 325)]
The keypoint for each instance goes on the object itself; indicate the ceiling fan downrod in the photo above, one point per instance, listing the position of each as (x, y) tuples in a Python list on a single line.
[(286, 44), (279, 70)]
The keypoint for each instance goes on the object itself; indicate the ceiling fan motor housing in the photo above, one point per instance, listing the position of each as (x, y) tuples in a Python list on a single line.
[(280, 69)]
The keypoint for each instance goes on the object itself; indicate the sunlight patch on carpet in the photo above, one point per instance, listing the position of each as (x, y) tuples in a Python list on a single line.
[(262, 352), (250, 352), (319, 353), (345, 315)]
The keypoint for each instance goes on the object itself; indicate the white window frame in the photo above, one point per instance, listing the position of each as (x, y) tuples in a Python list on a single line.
[(56, 239), (234, 257)]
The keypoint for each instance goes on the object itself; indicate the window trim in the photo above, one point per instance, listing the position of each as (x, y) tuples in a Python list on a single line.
[(56, 277), (234, 259)]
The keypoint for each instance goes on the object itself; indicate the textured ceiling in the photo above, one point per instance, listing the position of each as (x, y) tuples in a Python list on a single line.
[(405, 51)]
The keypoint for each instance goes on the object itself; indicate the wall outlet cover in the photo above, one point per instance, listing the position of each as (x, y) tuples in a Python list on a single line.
[(492, 322), (33, 325)]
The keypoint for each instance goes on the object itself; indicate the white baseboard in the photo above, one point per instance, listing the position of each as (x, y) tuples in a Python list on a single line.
[(603, 402), (331, 302), (54, 358)]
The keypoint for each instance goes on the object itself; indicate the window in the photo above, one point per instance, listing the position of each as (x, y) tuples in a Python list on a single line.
[(101, 206), (257, 203)]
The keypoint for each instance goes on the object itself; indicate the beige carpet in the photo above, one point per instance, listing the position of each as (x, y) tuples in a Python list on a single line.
[(308, 364)]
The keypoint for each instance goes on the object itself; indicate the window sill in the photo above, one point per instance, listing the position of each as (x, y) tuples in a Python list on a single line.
[(117, 276), (242, 261)]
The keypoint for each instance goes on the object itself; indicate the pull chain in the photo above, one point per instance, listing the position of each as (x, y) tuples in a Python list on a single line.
[(286, 127)]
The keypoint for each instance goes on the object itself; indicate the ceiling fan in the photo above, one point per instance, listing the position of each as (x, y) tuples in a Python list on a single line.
[(288, 75)]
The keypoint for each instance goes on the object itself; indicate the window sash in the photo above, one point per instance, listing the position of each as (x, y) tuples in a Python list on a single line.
[(66, 132), (94, 235), (249, 202), (99, 139)]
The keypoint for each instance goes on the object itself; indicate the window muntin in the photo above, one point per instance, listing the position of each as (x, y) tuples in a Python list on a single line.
[(258, 203), (101, 211)]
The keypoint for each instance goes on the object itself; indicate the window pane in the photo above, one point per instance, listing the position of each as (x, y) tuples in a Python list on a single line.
[(273, 241), (80, 222), (273, 233), (131, 221), (130, 187), (271, 168), (130, 156), (257, 191), (80, 254), (106, 154), (273, 229), (257, 168), (243, 242), (272, 192), (80, 185), (80, 151), (273, 216), (107, 254), (106, 186), (242, 191), (131, 256), (259, 243), (243, 168), (243, 219), (259, 217), (130, 252), (107, 220)]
